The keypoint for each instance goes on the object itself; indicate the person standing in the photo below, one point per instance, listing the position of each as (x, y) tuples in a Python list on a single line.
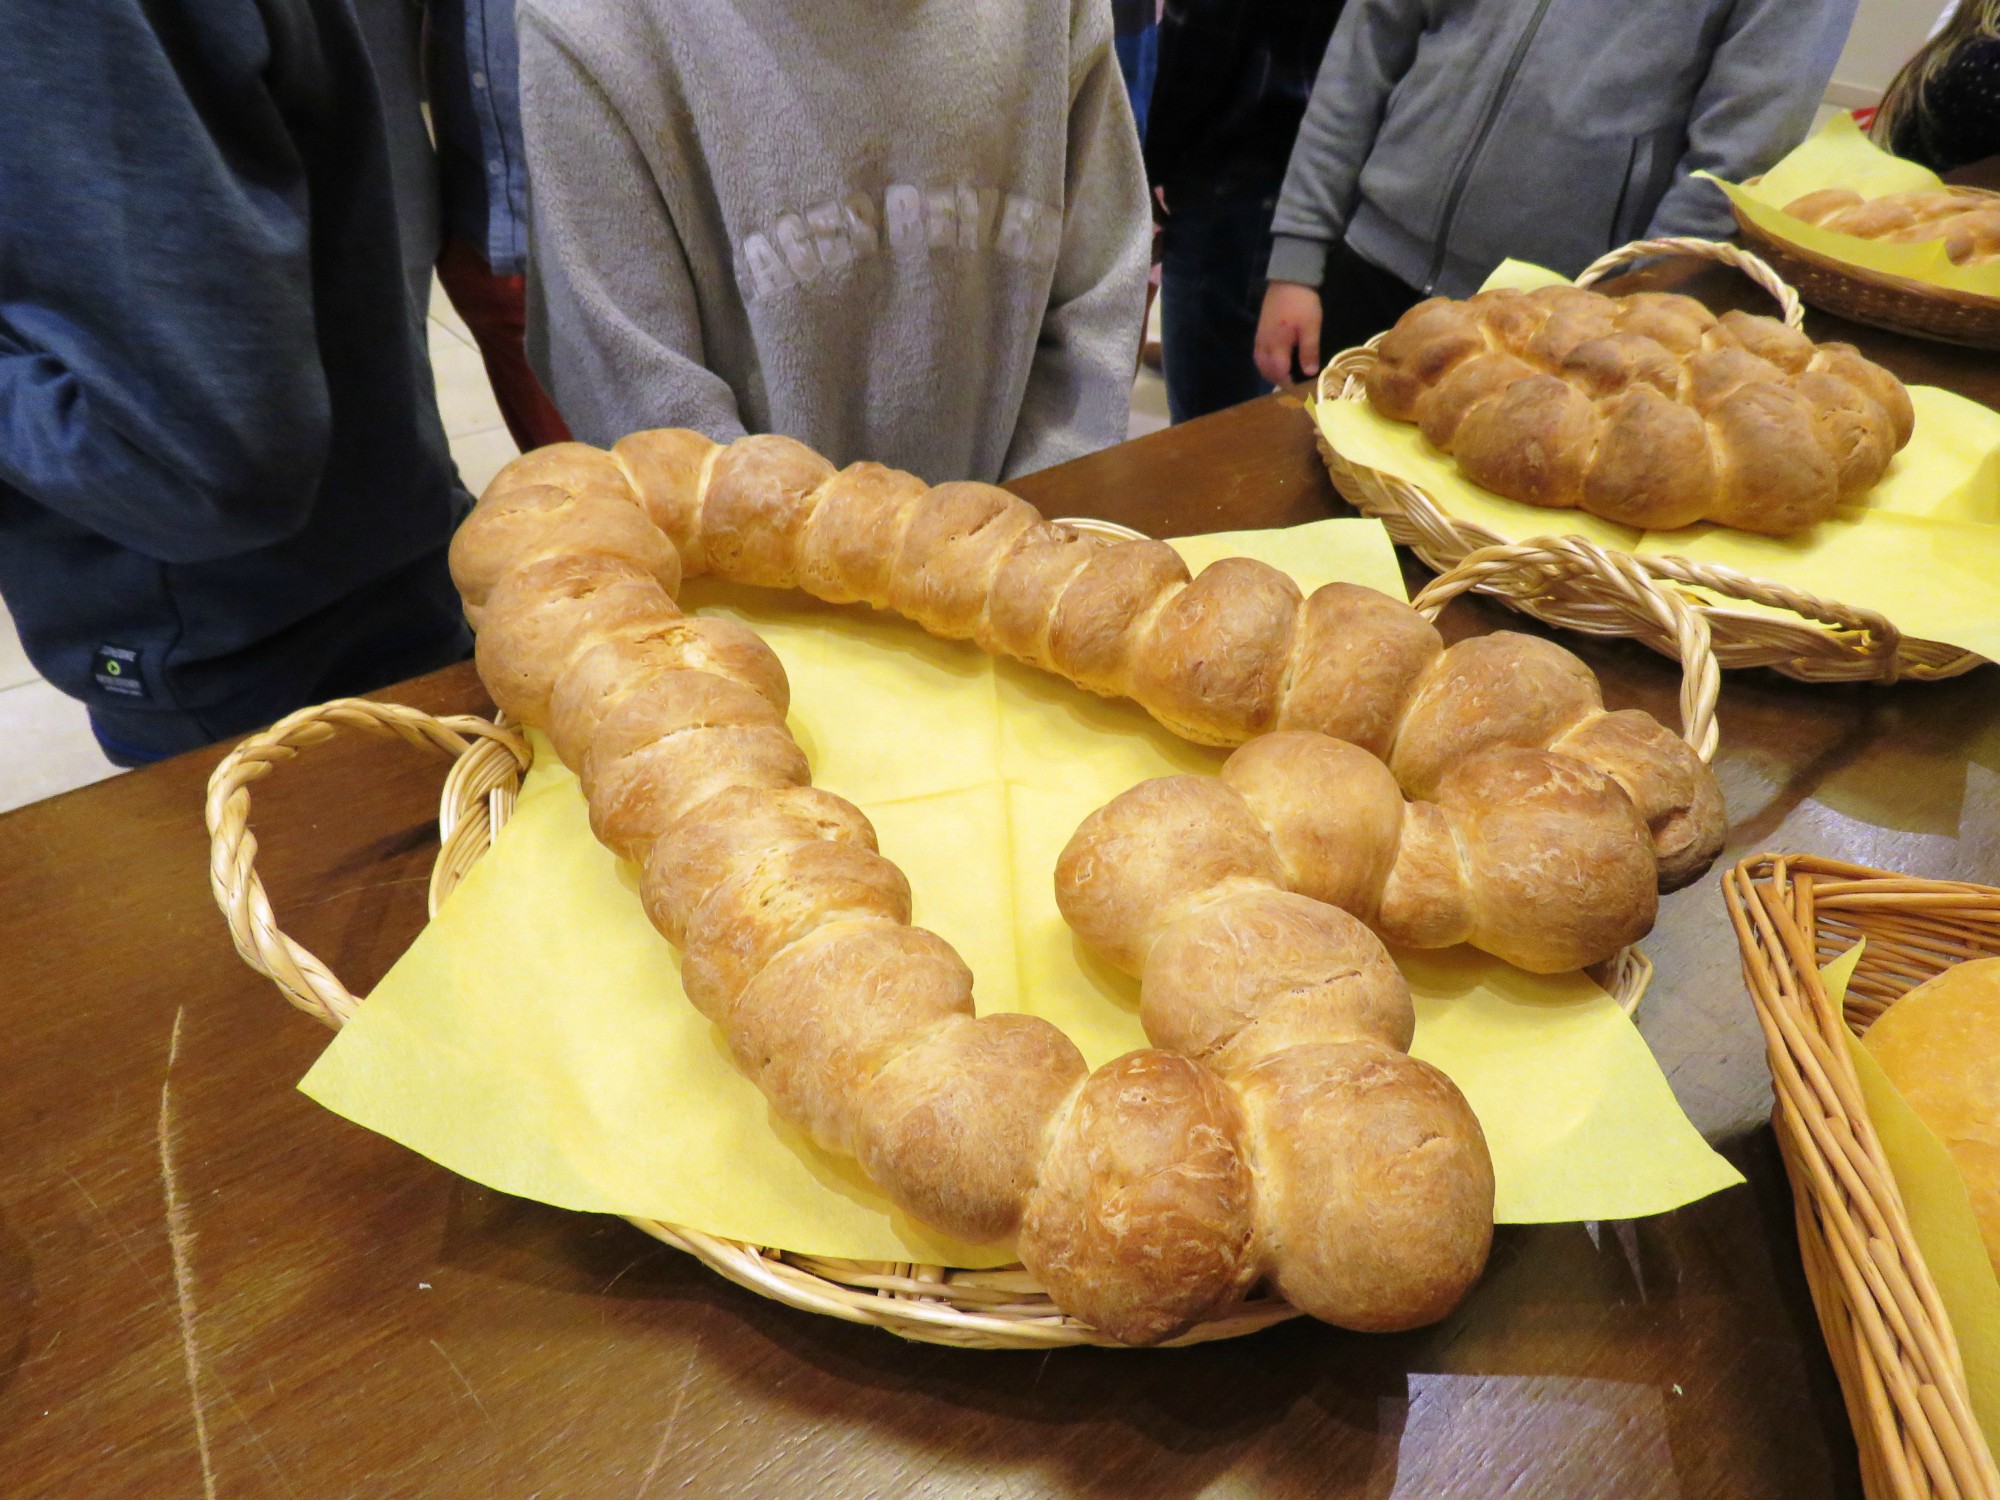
[(1943, 107), (224, 487), (1444, 136), (1234, 78), (474, 68), (913, 234)]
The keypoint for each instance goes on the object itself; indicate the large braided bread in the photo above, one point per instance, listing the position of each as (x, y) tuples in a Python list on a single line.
[(1219, 659), (1647, 410), (1966, 220), (1295, 1141)]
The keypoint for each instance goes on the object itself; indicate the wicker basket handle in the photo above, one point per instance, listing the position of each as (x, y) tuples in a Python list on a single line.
[(478, 794), (1730, 255), (1526, 569)]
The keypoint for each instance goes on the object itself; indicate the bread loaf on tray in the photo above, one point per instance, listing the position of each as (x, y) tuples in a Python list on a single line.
[(1647, 410), (1220, 659), (1966, 220), (1279, 1134)]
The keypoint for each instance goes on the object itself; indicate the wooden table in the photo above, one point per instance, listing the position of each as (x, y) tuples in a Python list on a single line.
[(194, 1258)]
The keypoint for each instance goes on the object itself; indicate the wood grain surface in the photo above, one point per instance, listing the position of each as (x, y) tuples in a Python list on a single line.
[(209, 1286)]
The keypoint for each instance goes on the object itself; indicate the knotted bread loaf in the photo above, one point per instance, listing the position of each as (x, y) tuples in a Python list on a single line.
[(1145, 1195), (1967, 220), (1647, 410), (1534, 857), (1220, 659)]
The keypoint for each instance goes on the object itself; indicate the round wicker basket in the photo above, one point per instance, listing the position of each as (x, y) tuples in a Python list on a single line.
[(1814, 640), (990, 1309), (1877, 298), (1886, 1326)]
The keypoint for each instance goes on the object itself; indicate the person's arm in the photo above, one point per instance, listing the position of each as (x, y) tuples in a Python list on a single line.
[(1371, 48), (159, 373), (614, 330), (1079, 393), (1765, 78)]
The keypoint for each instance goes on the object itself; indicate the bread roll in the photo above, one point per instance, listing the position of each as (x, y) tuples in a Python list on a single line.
[(1940, 1046)]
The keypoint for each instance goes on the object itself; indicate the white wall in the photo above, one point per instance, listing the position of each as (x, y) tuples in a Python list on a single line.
[(1885, 33)]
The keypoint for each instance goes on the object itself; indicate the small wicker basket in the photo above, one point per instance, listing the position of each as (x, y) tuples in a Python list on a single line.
[(1814, 640), (993, 1309), (1876, 298), (1892, 1344)]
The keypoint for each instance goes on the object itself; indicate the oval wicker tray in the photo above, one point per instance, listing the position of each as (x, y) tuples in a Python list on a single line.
[(993, 1309), (1877, 298), (1891, 1341), (1816, 640)]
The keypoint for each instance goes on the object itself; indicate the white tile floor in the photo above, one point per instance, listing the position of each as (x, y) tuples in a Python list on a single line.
[(45, 741)]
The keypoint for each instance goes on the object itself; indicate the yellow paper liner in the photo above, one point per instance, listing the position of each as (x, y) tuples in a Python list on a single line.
[(535, 1039)]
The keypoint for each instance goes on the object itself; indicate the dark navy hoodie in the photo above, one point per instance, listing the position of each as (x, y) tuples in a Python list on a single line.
[(224, 487)]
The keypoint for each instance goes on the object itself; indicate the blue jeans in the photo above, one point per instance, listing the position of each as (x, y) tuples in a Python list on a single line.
[(1213, 252)]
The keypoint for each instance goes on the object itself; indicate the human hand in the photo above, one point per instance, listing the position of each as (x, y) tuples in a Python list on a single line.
[(1289, 324)]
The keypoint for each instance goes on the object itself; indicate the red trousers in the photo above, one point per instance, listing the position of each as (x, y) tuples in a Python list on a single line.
[(495, 309)]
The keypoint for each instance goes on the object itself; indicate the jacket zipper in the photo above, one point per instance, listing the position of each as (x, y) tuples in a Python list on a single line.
[(1486, 123)]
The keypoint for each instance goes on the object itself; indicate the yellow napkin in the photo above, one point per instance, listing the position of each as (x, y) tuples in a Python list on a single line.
[(1922, 548), (534, 1038), (1840, 155), (1941, 1217)]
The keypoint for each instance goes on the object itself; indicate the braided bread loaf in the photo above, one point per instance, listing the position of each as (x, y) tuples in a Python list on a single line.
[(1966, 219), (1219, 659), (1533, 857), (1144, 1196), (1647, 410)]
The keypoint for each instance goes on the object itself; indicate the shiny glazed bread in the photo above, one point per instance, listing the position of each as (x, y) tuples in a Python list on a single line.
[(1646, 410)]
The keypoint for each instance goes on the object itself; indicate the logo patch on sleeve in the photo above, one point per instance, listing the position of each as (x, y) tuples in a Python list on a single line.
[(117, 671)]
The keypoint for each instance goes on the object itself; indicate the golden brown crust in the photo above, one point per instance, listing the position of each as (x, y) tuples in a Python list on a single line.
[(1375, 1190), (1260, 971), (1357, 659), (1332, 811), (664, 467), (542, 616), (962, 1119), (1142, 1221), (1967, 220), (1565, 398), (774, 901), (1136, 864), (1093, 625), (1505, 688), (761, 491), (1558, 865), (737, 826), (824, 1014), (954, 545), (1213, 663), (849, 549), (602, 674)]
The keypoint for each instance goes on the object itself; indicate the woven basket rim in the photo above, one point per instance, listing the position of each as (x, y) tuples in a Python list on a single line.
[(1617, 593), (1886, 1330)]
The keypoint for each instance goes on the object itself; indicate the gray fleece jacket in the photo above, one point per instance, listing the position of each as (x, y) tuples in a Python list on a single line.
[(906, 230), (1446, 135)]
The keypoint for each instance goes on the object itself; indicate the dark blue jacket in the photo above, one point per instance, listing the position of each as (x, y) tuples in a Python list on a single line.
[(224, 487)]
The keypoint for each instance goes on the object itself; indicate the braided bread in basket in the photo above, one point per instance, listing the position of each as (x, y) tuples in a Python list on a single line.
[(1324, 1161), (1647, 410)]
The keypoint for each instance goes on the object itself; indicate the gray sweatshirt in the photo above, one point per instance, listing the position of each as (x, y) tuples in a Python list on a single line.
[(906, 230), (1446, 135)]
